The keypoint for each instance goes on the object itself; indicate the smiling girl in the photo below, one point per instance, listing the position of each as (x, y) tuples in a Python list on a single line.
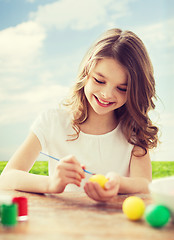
[(104, 126)]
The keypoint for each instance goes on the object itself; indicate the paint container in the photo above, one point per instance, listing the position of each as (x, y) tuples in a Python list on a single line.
[(4, 199), (9, 214), (22, 204)]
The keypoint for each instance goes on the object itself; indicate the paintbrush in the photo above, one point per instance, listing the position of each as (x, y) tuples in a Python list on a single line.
[(59, 160)]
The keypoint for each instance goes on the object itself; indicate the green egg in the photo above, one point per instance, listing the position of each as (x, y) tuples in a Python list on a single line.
[(157, 215)]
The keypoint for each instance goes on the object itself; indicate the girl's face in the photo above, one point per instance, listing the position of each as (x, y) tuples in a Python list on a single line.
[(106, 86)]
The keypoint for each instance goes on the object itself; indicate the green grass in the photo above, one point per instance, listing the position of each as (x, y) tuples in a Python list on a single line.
[(39, 167), (162, 169), (159, 169)]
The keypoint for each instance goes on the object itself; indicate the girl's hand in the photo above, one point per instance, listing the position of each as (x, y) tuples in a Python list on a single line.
[(111, 188), (67, 171)]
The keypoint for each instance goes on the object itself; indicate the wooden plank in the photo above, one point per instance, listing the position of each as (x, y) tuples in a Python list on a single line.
[(74, 216)]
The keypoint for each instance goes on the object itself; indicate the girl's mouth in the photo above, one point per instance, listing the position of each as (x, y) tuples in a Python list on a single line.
[(103, 103)]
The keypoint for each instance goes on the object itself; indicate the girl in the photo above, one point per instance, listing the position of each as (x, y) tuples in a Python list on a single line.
[(104, 126)]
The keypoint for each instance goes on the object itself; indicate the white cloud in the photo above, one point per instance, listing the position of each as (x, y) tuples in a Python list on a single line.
[(21, 107), (159, 34), (20, 45), (159, 40), (80, 14)]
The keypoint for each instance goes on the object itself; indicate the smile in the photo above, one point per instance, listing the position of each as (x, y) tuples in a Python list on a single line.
[(103, 103)]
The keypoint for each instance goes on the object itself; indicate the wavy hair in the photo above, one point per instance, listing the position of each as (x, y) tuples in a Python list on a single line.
[(128, 49)]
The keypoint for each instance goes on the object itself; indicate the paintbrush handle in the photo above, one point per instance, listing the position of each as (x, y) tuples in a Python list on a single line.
[(50, 156), (59, 160)]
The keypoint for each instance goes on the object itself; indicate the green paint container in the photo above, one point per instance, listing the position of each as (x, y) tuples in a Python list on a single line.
[(9, 213)]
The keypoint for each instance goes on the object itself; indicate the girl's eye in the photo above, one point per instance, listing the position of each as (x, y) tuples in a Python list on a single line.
[(100, 82), (122, 89)]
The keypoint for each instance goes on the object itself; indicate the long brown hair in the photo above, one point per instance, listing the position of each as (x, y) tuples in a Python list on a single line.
[(129, 50)]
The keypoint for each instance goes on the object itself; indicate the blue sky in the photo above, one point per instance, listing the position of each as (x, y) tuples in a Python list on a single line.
[(43, 41)]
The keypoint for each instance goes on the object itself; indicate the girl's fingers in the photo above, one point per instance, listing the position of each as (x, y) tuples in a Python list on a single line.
[(71, 164), (73, 181), (90, 191), (97, 193), (70, 159), (73, 174), (67, 171), (69, 180)]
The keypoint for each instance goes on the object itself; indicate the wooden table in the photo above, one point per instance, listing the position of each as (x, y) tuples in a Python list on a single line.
[(73, 216)]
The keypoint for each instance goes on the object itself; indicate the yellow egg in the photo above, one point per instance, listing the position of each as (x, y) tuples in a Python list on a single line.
[(133, 207), (100, 179)]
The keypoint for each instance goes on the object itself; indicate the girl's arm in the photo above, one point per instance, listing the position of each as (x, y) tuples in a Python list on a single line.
[(137, 182), (16, 174), (140, 174)]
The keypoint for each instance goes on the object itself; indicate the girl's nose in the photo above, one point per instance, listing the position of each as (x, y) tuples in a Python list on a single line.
[(107, 93)]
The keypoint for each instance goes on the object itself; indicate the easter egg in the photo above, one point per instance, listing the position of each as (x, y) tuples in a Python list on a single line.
[(100, 179), (133, 207), (157, 215)]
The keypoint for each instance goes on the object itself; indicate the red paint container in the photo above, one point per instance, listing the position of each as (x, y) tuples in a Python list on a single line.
[(22, 203)]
